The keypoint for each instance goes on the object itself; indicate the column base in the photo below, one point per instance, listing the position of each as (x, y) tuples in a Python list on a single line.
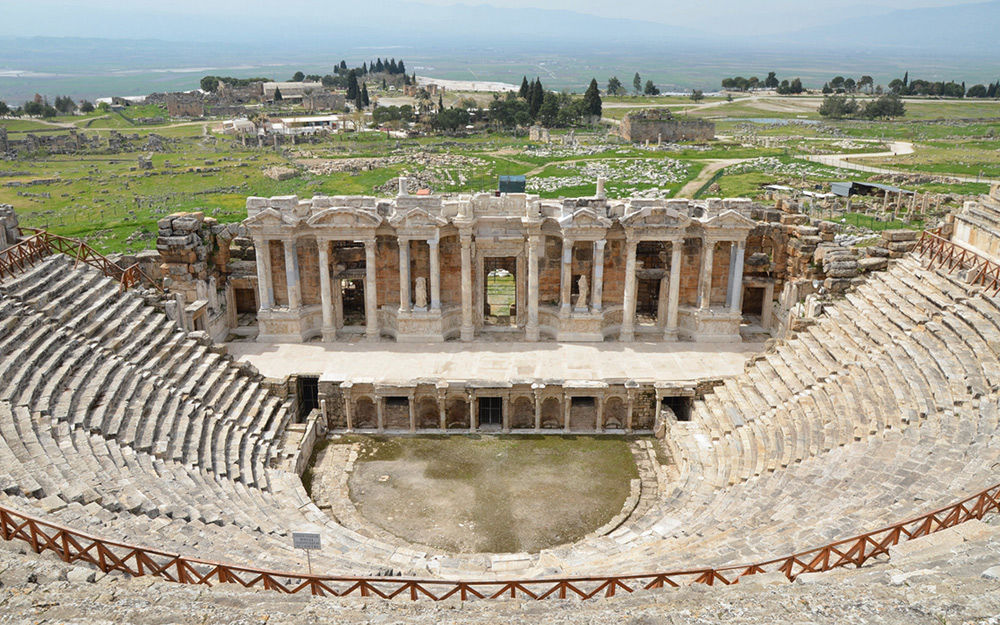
[(468, 333), (329, 335), (531, 333), (626, 335), (372, 337), (670, 334)]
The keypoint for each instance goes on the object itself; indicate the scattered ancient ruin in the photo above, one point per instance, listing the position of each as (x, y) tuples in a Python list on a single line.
[(658, 125)]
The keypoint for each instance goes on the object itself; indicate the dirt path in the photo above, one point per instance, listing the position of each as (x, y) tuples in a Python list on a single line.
[(707, 172)]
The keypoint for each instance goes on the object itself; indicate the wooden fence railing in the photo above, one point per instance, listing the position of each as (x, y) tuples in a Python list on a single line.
[(950, 256), (72, 546), (40, 243)]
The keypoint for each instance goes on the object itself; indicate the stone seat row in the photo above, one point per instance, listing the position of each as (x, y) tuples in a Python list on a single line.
[(88, 420)]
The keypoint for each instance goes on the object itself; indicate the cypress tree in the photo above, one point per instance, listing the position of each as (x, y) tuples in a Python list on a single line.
[(277, 95), (523, 91), (592, 99), (364, 95), (536, 97), (352, 85), (400, 68)]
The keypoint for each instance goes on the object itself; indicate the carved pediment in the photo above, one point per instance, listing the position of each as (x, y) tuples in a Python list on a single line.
[(656, 217), (729, 220), (585, 218), (416, 218), (346, 217), (267, 217)]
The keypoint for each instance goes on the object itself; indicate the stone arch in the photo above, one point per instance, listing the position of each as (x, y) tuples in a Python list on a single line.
[(552, 413), (615, 413), (522, 413), (428, 415), (365, 413), (457, 413)]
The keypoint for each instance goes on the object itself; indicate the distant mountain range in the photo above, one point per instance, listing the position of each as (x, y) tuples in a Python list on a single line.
[(968, 28)]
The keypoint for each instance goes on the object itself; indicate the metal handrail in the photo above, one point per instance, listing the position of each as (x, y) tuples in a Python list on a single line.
[(950, 256), (72, 546), (41, 243)]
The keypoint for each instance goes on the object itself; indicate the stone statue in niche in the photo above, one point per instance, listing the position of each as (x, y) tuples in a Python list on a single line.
[(420, 294), (584, 293)]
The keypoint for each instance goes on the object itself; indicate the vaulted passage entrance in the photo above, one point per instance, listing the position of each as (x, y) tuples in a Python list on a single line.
[(500, 297)]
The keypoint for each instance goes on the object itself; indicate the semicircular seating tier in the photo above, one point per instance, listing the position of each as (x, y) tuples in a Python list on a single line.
[(116, 423)]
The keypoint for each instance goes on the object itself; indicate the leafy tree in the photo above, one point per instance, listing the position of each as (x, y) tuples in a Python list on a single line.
[(866, 83), (976, 91), (209, 83), (86, 106), (615, 86), (796, 86), (298, 77), (784, 88), (451, 118), (277, 95), (827, 89), (592, 99), (523, 91), (548, 113), (838, 107), (837, 84), (637, 83), (32, 108), (697, 95), (4, 109), (771, 82), (650, 88), (65, 104), (885, 107), (49, 111), (753, 82), (850, 86)]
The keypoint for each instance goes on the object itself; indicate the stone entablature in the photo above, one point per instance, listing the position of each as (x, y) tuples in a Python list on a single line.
[(583, 269)]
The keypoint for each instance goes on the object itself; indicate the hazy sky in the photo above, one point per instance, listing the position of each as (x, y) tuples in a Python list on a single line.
[(720, 16)]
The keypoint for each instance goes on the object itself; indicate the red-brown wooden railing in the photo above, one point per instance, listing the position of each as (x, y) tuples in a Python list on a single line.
[(72, 546), (41, 243), (950, 256)]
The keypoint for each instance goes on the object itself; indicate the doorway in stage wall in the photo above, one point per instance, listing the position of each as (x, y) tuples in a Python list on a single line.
[(490, 411), (500, 285)]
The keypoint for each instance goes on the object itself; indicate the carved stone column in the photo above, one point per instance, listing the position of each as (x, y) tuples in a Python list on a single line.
[(265, 290), (736, 277), (705, 275), (404, 275), (326, 296), (628, 315), (566, 279), (673, 303), (292, 274), (597, 283), (371, 293), (468, 330), (531, 328), (435, 271)]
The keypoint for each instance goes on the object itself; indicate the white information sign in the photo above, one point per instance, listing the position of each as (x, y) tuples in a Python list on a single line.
[(305, 540)]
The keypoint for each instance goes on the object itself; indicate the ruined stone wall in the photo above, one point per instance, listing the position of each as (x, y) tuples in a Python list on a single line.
[(653, 130), (387, 271), (8, 226), (614, 273), (185, 104), (450, 254), (550, 272), (308, 254), (720, 274), (278, 279), (690, 268)]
